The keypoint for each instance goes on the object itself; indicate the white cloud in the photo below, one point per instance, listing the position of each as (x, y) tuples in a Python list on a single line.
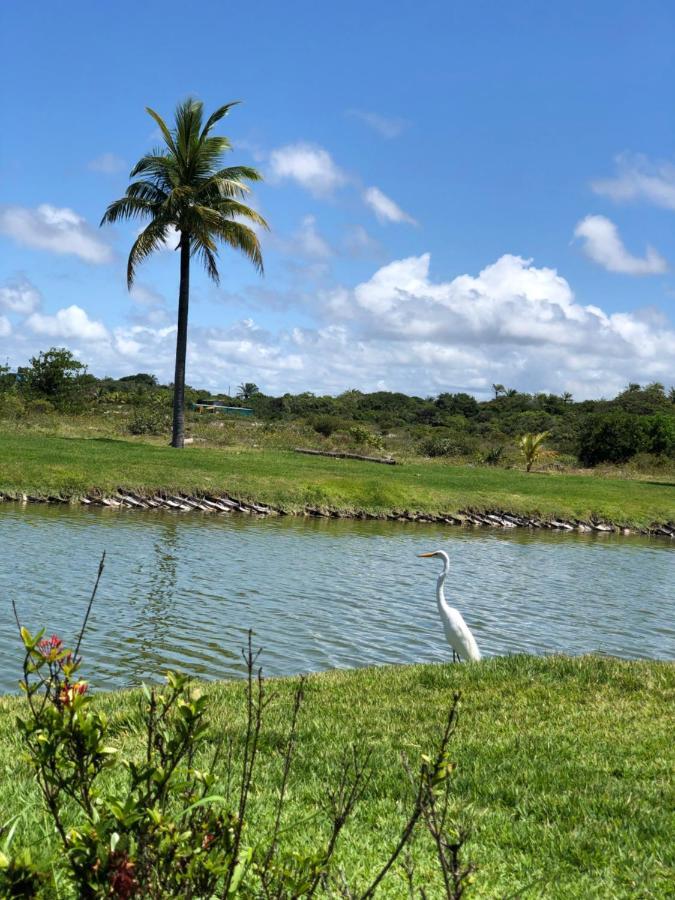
[(20, 296), (146, 296), (107, 164), (306, 242), (309, 166), (602, 243), (70, 322), (401, 329), (5, 326), (385, 126), (638, 178), (384, 207), (60, 230), (359, 243)]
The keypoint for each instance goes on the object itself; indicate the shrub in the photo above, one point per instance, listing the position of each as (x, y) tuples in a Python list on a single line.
[(365, 437), (11, 406), (613, 437), (326, 425), (531, 447), (153, 826), (149, 421), (660, 434), (447, 445), (494, 456), (39, 407)]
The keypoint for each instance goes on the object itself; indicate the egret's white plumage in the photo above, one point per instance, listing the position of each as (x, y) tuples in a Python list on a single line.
[(456, 630)]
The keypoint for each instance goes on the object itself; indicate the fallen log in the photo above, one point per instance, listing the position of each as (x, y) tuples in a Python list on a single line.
[(338, 454)]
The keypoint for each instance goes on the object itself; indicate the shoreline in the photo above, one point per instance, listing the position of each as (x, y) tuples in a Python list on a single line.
[(225, 504)]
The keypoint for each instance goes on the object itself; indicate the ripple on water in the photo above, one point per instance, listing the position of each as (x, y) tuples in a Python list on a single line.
[(181, 591)]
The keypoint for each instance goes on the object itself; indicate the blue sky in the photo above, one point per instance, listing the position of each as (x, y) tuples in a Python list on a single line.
[(458, 193)]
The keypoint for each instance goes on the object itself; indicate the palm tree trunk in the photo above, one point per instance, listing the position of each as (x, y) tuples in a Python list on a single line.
[(178, 436)]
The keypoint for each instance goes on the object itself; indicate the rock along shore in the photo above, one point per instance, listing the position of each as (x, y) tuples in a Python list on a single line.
[(223, 504)]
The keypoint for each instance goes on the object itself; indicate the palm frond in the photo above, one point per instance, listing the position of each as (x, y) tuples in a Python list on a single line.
[(147, 190), (216, 116), (241, 237), (127, 208), (184, 185), (149, 240), (164, 128)]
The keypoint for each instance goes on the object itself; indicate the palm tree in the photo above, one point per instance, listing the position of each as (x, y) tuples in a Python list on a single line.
[(531, 446), (247, 390), (183, 189)]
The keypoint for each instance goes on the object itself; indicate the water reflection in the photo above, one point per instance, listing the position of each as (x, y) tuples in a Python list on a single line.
[(182, 591)]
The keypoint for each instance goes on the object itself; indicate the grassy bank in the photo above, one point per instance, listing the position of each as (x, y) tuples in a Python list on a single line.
[(564, 768), (44, 465)]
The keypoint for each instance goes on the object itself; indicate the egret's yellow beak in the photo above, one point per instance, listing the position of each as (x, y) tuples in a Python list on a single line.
[(424, 555)]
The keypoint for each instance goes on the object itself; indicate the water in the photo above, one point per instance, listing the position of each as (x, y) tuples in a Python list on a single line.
[(181, 591)]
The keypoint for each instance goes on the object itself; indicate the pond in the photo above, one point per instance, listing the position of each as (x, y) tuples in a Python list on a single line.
[(181, 591)]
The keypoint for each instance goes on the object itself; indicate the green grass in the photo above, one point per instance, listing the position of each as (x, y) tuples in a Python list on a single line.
[(564, 768), (39, 464)]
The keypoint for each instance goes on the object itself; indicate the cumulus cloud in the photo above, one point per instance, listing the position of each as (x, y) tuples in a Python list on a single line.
[(107, 164), (385, 209), (308, 165), (5, 327), (638, 178), (60, 230), (401, 329), (385, 126), (20, 296), (602, 243), (70, 322)]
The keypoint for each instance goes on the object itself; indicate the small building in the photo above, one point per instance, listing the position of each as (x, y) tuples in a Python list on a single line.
[(214, 406)]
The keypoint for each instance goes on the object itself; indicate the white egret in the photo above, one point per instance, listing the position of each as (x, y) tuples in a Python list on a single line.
[(456, 630)]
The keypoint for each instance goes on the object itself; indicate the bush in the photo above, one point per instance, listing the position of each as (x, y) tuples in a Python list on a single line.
[(448, 445), (613, 437), (152, 825), (365, 437), (11, 406), (326, 425), (149, 421), (660, 433), (39, 407)]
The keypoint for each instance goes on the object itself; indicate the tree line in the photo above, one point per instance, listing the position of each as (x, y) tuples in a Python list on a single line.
[(640, 419)]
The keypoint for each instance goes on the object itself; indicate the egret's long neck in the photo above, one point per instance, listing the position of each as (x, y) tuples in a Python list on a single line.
[(440, 594)]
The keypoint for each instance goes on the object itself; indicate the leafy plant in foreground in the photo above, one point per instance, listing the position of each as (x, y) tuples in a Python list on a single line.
[(160, 828)]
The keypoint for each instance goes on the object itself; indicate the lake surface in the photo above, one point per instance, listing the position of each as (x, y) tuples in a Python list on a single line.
[(181, 591)]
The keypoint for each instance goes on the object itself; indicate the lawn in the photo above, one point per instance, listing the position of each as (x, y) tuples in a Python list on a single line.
[(44, 465), (564, 769)]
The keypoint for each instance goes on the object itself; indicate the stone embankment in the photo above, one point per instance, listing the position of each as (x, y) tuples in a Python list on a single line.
[(225, 504)]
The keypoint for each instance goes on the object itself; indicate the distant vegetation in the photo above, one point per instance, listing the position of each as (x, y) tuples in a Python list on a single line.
[(637, 427)]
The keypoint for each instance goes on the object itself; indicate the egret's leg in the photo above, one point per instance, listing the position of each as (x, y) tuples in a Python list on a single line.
[(454, 657)]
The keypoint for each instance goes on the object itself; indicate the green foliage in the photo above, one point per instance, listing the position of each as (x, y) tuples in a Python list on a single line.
[(364, 437), (326, 425), (39, 407), (157, 828), (54, 375), (493, 456), (12, 406), (531, 447), (142, 379), (449, 444), (614, 437), (247, 391), (149, 420)]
